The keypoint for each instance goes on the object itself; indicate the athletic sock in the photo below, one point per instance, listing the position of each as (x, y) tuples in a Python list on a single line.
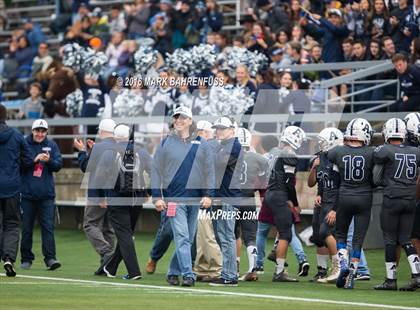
[(414, 262), (322, 260), (280, 265), (354, 264), (391, 270), (252, 257)]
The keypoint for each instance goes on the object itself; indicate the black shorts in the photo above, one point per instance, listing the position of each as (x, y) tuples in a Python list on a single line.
[(282, 214)]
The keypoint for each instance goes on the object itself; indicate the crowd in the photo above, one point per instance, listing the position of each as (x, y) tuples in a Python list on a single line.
[(219, 168), (281, 33)]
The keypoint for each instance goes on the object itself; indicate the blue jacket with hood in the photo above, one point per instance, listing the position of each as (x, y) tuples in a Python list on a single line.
[(14, 154)]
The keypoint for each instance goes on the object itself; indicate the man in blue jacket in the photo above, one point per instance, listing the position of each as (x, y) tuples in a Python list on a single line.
[(228, 163), (14, 154), (38, 194), (182, 180)]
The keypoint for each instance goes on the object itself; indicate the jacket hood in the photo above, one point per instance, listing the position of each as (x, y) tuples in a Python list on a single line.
[(5, 133)]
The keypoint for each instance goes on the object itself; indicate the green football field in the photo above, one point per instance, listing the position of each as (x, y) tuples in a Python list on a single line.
[(74, 287)]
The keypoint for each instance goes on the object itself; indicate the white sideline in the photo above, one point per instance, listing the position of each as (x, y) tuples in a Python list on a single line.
[(262, 296)]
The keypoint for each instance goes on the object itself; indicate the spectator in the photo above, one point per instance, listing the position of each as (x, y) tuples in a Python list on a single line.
[(247, 23), (38, 194), (243, 80), (238, 41), (356, 19), (272, 15), (396, 22), (412, 24), (297, 34), (34, 34), (209, 19), (282, 38), (347, 47), (278, 60), (137, 19), (293, 50), (221, 41), (415, 52), (43, 60), (93, 98), (99, 24), (126, 59), (295, 11), (183, 18), (82, 8), (409, 76), (378, 20), (260, 40), (388, 47), (22, 52), (114, 50), (375, 52), (160, 31), (33, 107), (359, 51), (314, 58), (15, 154), (116, 21), (331, 31)]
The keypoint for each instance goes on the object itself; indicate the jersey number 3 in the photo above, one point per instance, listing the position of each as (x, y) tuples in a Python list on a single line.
[(354, 168)]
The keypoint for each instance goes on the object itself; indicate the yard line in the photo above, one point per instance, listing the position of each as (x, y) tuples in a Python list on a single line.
[(225, 293)]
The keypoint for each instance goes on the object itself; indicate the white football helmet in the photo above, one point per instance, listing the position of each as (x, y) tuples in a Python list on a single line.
[(244, 137), (394, 128), (359, 129), (329, 137), (294, 136), (412, 122)]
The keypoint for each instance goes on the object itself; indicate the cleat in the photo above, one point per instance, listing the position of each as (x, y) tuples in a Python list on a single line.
[(151, 266), (53, 264), (362, 277), (260, 270), (9, 268), (272, 256), (172, 280), (188, 282), (108, 274), (303, 269), (321, 274), (249, 277), (223, 282), (283, 277), (127, 277), (388, 285), (411, 286)]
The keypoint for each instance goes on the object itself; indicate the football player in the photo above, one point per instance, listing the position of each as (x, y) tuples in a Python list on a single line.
[(327, 176), (281, 186), (355, 162), (253, 168), (400, 163)]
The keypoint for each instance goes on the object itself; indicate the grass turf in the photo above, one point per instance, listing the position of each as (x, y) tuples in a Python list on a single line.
[(80, 261)]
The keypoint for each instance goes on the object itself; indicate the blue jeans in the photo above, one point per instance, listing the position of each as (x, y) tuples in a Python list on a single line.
[(184, 227), (363, 266), (45, 210), (262, 233), (226, 233), (163, 238), (297, 247)]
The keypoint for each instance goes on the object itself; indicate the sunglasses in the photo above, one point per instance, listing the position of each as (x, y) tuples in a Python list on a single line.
[(183, 117)]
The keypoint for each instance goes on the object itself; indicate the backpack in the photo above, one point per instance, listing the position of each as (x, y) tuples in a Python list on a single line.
[(129, 178)]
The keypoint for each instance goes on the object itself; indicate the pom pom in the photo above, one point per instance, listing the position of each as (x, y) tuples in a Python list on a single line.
[(129, 103), (228, 100), (73, 56), (236, 56), (74, 103), (94, 62), (144, 59), (179, 61)]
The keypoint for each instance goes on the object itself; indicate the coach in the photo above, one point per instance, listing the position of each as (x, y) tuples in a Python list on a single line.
[(38, 194), (14, 154), (182, 180)]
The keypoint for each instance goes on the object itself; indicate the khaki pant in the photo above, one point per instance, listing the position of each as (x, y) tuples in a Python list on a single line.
[(208, 261)]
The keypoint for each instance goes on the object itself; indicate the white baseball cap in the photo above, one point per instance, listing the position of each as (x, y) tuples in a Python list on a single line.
[(183, 110), (204, 125), (335, 12), (40, 123), (223, 122), (122, 132), (107, 125)]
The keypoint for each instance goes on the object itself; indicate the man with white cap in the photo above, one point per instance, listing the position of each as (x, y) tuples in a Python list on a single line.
[(95, 222), (38, 195), (182, 180), (228, 162), (122, 168)]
